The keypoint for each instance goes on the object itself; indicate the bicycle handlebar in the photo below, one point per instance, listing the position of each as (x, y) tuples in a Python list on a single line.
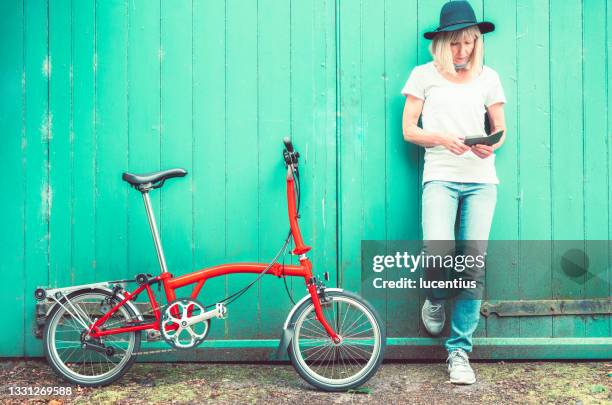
[(288, 144), (290, 155)]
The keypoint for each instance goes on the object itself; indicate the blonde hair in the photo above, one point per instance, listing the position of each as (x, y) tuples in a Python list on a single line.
[(440, 49)]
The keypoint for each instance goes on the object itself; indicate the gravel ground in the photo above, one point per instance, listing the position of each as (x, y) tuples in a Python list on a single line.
[(395, 383)]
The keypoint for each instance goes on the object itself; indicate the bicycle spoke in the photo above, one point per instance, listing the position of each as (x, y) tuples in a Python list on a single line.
[(356, 328), (321, 332), (361, 332), (341, 326), (319, 350), (350, 327)]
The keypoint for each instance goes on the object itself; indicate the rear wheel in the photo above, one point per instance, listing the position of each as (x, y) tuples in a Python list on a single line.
[(65, 334), (337, 366)]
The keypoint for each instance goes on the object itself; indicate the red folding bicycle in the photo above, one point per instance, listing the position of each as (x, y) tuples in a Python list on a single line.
[(334, 338)]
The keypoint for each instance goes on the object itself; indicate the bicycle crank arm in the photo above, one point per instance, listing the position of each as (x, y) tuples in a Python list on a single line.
[(219, 312)]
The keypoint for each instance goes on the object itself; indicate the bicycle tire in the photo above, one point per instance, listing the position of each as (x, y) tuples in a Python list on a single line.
[(61, 368), (315, 378)]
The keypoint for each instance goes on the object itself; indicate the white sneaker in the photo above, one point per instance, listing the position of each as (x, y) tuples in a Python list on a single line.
[(459, 368), (433, 317)]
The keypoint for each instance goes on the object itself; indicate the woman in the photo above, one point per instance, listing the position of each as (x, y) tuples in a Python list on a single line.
[(452, 93)]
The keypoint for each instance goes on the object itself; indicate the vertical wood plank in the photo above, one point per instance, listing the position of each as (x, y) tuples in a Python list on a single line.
[(608, 277), (242, 157), (402, 178), (362, 147), (372, 177), (567, 158), (533, 136), (209, 147), (313, 129), (84, 160), (144, 127), (60, 144), (273, 122), (320, 228), (595, 139), (111, 139), (372, 113), (176, 104), (351, 152), (37, 132), (12, 114), (502, 274)]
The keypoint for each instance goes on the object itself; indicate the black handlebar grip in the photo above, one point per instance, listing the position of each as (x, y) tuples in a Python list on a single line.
[(288, 144)]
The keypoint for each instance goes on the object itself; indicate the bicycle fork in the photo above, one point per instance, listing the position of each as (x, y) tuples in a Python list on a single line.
[(288, 326), (318, 294)]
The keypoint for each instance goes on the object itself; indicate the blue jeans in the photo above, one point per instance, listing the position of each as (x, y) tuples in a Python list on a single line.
[(466, 208)]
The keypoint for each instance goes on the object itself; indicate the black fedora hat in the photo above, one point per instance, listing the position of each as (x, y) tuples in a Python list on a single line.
[(457, 15)]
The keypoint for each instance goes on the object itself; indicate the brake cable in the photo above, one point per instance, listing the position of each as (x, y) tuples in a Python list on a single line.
[(233, 297)]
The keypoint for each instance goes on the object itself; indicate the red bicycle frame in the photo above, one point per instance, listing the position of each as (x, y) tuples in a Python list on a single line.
[(199, 278)]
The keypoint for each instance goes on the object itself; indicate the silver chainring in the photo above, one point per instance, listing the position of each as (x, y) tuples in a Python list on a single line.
[(174, 329)]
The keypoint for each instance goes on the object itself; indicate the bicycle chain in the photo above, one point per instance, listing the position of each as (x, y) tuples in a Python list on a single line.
[(150, 312), (153, 352)]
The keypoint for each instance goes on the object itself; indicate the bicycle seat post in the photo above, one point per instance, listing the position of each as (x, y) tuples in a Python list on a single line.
[(153, 226)]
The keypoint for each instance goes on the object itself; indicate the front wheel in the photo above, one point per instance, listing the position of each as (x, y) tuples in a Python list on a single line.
[(337, 366)]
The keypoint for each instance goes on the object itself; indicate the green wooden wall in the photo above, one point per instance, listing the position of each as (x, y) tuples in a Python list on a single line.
[(93, 88)]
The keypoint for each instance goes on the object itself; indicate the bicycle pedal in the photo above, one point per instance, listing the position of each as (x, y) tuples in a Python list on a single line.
[(221, 311)]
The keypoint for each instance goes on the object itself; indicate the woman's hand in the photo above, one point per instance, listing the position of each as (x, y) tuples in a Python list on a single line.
[(482, 151), (453, 143)]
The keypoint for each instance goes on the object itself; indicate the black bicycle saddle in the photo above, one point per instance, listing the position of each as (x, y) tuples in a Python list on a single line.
[(155, 177)]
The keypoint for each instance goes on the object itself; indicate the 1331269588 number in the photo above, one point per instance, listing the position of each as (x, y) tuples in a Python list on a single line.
[(39, 391)]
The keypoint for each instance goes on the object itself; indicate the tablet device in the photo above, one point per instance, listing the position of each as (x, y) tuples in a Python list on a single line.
[(483, 140)]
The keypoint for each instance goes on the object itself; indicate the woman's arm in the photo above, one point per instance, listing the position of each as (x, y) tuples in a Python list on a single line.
[(412, 133), (497, 122)]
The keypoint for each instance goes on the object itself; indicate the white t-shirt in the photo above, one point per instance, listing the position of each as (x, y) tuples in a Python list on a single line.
[(456, 108)]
